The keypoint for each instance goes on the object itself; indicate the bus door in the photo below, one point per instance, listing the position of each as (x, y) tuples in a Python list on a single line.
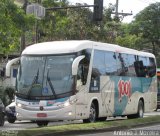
[(101, 83), (82, 85)]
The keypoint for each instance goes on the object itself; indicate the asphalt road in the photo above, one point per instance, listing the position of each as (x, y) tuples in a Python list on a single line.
[(21, 125)]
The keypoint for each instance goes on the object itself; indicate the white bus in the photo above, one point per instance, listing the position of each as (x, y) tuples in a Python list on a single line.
[(69, 80)]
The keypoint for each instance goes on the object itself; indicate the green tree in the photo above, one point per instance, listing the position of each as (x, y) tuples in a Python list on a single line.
[(126, 38), (130, 41), (12, 22), (147, 23)]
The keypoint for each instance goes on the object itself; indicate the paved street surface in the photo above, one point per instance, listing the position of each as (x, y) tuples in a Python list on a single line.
[(21, 125)]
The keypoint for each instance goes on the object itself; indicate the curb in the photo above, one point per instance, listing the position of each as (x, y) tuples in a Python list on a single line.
[(93, 131)]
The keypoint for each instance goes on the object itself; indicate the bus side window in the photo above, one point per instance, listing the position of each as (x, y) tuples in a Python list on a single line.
[(152, 67), (82, 74), (98, 69), (79, 78), (121, 65), (139, 68), (146, 66), (111, 66)]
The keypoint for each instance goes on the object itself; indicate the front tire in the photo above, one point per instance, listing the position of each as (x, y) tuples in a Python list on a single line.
[(42, 123), (11, 120), (92, 116)]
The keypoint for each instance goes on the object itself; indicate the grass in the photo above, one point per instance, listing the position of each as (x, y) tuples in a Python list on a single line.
[(66, 129)]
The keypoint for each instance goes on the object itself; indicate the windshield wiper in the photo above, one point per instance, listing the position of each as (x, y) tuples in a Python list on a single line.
[(51, 85), (35, 81)]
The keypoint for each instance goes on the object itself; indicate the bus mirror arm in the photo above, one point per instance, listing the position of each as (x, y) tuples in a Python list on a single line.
[(75, 64)]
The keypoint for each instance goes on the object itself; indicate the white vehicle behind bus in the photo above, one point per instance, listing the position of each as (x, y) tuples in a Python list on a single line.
[(69, 80)]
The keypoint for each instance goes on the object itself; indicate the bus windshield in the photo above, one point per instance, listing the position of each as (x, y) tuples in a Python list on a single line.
[(45, 77)]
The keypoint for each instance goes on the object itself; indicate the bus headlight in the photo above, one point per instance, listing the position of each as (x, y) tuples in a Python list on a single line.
[(66, 104), (20, 105)]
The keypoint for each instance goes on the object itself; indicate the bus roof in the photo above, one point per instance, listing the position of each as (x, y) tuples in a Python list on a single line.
[(60, 47)]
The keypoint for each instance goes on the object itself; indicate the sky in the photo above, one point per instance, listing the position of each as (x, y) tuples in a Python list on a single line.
[(126, 5)]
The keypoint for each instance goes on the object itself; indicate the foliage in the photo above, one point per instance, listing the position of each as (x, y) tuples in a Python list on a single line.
[(77, 24), (12, 22), (74, 24), (149, 22), (147, 25), (7, 95), (130, 41)]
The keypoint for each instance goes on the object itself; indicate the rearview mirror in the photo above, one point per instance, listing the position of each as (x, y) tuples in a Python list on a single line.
[(9, 64), (75, 64)]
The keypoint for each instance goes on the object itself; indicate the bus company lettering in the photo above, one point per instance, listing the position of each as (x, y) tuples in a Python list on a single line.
[(124, 89)]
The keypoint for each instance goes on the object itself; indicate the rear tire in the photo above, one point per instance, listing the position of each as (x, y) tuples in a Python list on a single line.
[(132, 116), (42, 123), (93, 114), (140, 111), (102, 119)]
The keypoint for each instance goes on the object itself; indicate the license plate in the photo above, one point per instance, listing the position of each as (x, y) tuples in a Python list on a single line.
[(41, 115)]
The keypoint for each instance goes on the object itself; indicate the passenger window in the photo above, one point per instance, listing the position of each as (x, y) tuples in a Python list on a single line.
[(80, 78), (144, 69), (111, 64), (121, 64), (131, 68), (98, 69), (152, 67), (98, 63), (139, 68)]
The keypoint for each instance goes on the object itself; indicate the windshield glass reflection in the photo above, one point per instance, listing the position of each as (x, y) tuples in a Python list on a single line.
[(45, 76)]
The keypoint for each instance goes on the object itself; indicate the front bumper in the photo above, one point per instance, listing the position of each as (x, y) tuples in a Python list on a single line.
[(66, 113)]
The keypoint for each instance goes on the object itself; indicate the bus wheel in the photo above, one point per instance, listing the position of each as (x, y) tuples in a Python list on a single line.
[(140, 112), (102, 119), (42, 123), (11, 120), (92, 115)]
